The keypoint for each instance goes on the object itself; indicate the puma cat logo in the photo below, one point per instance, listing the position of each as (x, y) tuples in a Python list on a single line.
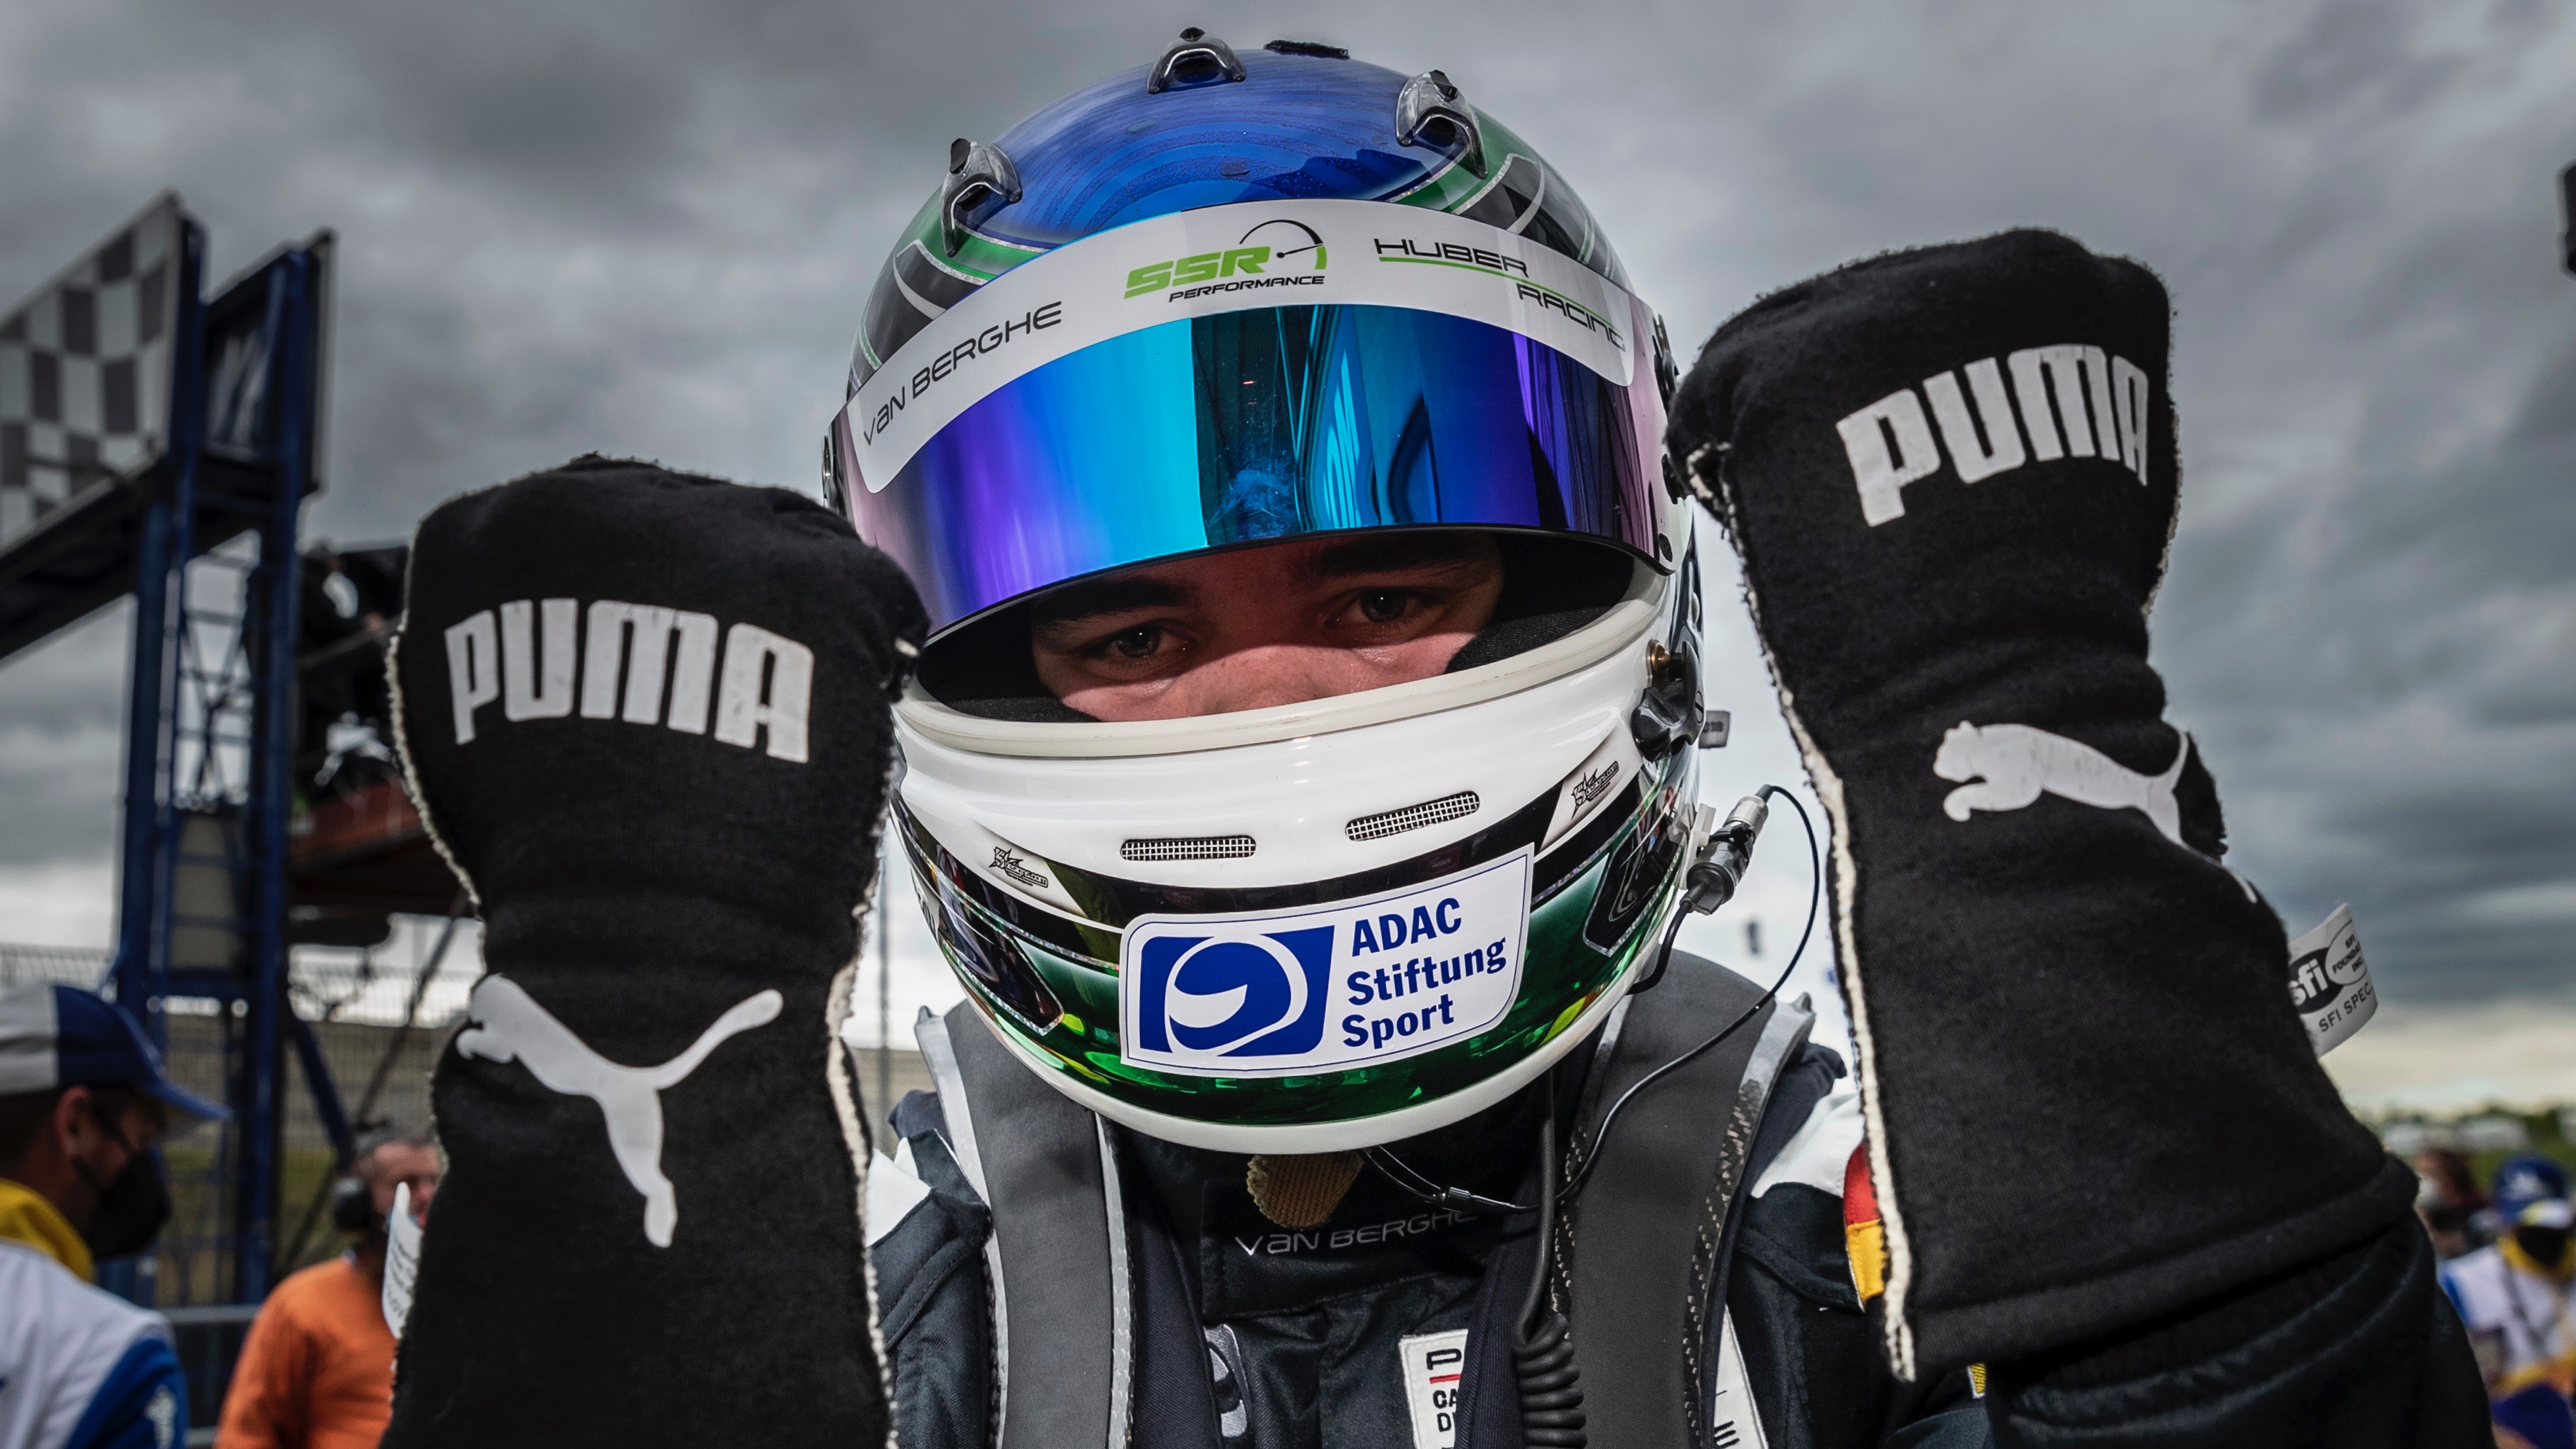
[(2009, 765), (509, 1026)]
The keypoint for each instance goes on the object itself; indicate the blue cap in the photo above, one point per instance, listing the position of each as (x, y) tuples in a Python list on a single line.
[(61, 1036), (2528, 1181)]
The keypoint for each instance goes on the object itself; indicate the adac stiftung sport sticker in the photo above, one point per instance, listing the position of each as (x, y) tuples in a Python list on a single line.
[(1325, 988)]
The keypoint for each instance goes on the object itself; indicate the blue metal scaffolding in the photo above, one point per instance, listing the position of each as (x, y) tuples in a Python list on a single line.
[(210, 728), (158, 443)]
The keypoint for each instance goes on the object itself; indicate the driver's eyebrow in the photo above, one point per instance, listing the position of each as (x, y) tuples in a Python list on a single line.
[(1384, 552), (1075, 603)]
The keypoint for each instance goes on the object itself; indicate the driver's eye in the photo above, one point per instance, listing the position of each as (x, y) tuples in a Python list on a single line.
[(1137, 643), (1383, 606)]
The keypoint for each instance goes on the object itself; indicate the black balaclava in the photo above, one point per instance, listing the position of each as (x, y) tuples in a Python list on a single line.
[(132, 1207), (2545, 1246)]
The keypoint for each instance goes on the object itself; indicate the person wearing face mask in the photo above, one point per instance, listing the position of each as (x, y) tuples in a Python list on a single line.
[(83, 1100), (2456, 1213), (317, 1371), (2514, 1298)]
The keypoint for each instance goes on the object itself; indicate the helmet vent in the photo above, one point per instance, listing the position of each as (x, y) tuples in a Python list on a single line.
[(1414, 817), (1196, 59), (1188, 847)]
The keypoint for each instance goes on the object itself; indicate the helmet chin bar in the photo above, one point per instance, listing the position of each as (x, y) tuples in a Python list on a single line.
[(1297, 803), (1053, 856)]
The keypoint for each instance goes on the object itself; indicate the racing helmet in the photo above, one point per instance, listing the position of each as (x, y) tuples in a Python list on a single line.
[(1230, 299)]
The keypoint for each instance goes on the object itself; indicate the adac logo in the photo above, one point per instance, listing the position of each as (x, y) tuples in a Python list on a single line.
[(1238, 995), (1281, 241)]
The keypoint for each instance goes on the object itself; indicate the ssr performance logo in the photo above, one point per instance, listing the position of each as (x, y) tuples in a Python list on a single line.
[(1245, 265), (1325, 988)]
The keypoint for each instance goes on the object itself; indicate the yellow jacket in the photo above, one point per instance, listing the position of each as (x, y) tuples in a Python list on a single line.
[(26, 1217)]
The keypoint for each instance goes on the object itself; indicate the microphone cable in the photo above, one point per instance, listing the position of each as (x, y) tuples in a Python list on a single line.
[(1543, 1365), (1815, 894)]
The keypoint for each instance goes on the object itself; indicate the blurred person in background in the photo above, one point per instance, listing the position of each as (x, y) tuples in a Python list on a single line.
[(83, 1099), (2456, 1213), (317, 1370), (2514, 1298)]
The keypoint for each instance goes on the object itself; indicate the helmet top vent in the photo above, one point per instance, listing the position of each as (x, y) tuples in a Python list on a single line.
[(1414, 817), (977, 172), (1188, 847), (1432, 100), (1196, 59)]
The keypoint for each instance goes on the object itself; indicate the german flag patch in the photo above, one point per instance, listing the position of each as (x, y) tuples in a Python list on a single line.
[(1864, 1236)]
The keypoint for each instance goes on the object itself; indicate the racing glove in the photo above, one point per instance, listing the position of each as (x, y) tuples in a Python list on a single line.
[(1950, 476), (645, 718)]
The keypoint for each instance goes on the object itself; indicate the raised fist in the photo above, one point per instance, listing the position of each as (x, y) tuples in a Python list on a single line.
[(645, 717)]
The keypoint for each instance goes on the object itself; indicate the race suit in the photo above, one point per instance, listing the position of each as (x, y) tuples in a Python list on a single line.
[(1301, 1338)]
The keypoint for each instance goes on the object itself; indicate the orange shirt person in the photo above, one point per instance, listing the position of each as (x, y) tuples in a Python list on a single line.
[(317, 1370)]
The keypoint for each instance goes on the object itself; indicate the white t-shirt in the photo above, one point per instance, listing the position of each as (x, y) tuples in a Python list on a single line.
[(2530, 1311), (63, 1346)]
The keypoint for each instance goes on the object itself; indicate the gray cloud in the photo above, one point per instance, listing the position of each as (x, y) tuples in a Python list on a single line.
[(650, 230), (61, 746)]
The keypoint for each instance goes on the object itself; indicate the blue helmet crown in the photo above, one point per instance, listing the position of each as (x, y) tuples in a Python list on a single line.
[(1201, 127)]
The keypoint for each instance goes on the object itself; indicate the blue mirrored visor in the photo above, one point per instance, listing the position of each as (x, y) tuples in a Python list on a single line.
[(1260, 425)]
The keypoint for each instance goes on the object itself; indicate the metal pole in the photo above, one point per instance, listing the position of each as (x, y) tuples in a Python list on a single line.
[(363, 1119), (188, 433), (167, 535), (2567, 213), (365, 1116), (885, 986), (290, 324), (143, 764)]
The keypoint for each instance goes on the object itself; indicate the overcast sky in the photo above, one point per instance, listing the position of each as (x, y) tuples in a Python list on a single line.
[(649, 230)]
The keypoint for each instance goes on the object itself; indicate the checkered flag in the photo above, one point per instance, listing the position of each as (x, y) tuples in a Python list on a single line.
[(85, 371)]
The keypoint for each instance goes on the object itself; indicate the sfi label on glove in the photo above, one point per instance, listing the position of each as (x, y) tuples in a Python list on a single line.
[(2330, 982), (402, 1260), (1433, 1363), (1325, 988)]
